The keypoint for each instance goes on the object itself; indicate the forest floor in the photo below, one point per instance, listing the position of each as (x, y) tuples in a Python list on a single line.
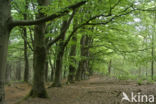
[(96, 90)]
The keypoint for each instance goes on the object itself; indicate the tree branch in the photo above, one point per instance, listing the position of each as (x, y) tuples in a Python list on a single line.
[(101, 23), (111, 19), (102, 15), (48, 18), (31, 36), (25, 39), (68, 39), (63, 32)]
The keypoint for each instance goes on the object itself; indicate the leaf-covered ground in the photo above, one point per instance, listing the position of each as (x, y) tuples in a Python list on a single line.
[(96, 90)]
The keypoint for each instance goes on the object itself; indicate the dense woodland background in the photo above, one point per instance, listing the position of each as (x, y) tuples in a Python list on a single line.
[(114, 38)]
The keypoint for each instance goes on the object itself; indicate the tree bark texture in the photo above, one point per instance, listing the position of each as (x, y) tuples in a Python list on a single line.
[(26, 70), (4, 38), (38, 88)]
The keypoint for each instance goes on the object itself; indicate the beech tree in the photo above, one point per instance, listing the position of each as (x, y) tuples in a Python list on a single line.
[(107, 40), (7, 24)]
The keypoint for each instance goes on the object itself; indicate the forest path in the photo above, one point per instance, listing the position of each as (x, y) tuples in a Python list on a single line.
[(96, 90)]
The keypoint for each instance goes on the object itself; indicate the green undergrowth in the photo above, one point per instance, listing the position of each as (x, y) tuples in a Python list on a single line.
[(139, 79)]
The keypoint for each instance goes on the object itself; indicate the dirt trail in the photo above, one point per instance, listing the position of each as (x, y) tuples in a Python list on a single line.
[(97, 90)]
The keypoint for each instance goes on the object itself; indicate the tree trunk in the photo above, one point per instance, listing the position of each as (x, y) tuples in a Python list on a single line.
[(59, 58), (109, 67), (79, 72), (4, 38), (58, 72), (72, 68), (7, 73), (140, 68), (83, 70), (52, 74), (46, 70), (26, 70), (52, 66), (146, 70), (38, 88), (52, 69), (5, 19), (152, 54), (90, 62), (152, 62), (18, 71)]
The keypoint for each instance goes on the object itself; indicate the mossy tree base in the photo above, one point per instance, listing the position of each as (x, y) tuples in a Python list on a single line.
[(39, 94)]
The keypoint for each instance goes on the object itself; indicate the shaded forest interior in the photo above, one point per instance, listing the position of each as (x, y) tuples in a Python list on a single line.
[(90, 48)]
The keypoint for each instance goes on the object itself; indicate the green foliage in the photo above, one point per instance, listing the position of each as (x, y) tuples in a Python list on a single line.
[(140, 82), (122, 77), (150, 81), (126, 39)]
